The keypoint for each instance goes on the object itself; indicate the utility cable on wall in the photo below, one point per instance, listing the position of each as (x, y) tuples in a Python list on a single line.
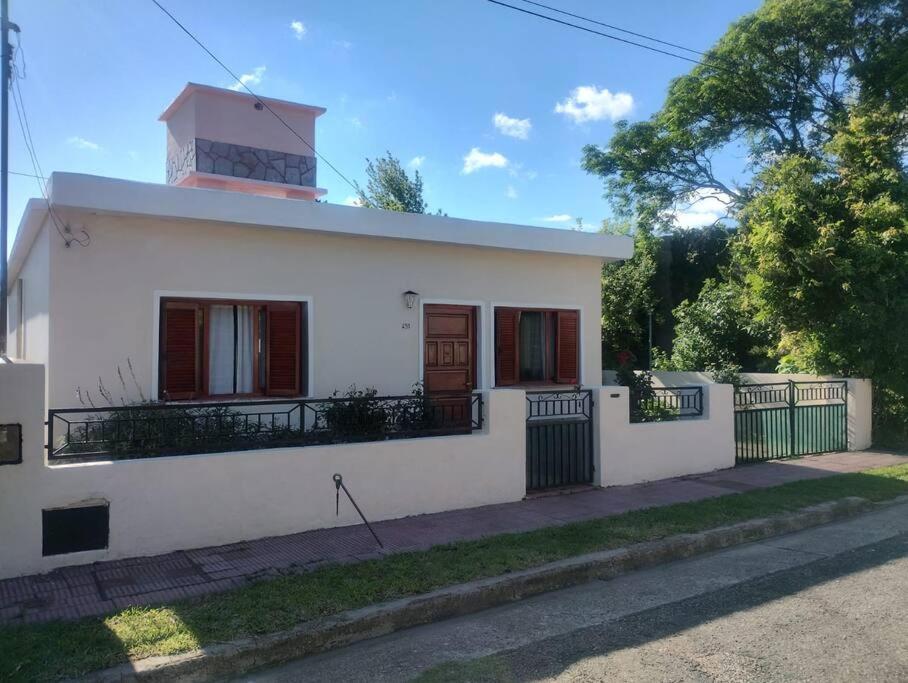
[(258, 99)]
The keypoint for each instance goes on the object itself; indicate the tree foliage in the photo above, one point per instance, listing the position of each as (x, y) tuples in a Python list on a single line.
[(628, 296), (389, 187), (718, 332), (777, 83), (814, 93), (826, 252)]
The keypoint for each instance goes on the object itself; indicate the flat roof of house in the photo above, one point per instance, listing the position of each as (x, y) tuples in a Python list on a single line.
[(96, 194), (272, 102)]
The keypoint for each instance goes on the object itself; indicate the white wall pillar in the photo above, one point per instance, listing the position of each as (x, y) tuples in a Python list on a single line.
[(22, 402), (860, 414)]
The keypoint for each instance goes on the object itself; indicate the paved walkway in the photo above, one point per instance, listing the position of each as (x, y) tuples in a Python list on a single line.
[(72, 592)]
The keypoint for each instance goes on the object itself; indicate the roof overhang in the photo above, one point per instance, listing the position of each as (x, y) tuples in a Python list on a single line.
[(96, 194), (272, 102)]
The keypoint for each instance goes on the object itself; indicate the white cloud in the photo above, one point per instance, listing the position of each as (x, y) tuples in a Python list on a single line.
[(510, 193), (589, 103), (252, 78), (343, 44), (477, 159), (516, 170), (416, 162), (699, 208), (353, 201), (81, 143), (515, 128), (298, 28), (356, 122), (558, 218)]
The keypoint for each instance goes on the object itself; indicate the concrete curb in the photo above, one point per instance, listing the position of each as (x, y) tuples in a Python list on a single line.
[(223, 660)]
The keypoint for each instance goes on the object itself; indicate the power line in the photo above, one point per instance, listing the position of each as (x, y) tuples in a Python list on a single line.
[(257, 98), (27, 175), (615, 28), (60, 226), (605, 35)]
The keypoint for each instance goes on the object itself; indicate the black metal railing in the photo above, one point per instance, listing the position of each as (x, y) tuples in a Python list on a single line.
[(661, 404), (769, 395), (162, 429), (542, 405)]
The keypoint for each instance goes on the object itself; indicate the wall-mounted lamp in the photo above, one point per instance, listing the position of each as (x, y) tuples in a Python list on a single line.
[(410, 297)]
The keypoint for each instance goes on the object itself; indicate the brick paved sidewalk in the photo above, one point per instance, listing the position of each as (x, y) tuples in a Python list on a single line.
[(103, 587)]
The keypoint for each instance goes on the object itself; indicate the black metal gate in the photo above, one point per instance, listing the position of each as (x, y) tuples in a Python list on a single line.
[(559, 438), (785, 419)]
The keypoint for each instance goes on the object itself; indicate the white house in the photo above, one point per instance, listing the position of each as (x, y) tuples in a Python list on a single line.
[(229, 306), (230, 281)]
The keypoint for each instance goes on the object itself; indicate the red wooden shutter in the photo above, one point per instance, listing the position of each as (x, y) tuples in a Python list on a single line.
[(506, 366), (283, 341), (567, 356), (181, 376)]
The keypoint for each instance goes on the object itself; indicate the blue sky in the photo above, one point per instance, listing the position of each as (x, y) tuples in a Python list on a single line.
[(421, 78)]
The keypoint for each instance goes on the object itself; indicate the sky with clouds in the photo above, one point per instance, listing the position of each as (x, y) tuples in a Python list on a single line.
[(493, 107)]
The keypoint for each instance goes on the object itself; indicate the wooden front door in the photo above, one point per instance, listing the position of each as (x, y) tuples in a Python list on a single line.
[(449, 349)]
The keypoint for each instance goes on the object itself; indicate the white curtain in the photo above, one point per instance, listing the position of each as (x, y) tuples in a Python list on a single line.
[(230, 349), (244, 349)]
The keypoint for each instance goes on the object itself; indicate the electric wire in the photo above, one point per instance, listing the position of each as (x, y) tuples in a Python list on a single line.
[(711, 64), (615, 28), (25, 128)]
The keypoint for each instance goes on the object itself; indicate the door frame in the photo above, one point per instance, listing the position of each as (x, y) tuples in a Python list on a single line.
[(480, 324)]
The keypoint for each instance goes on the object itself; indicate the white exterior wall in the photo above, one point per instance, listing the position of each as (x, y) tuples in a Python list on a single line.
[(104, 300), (34, 297), (162, 504), (630, 453)]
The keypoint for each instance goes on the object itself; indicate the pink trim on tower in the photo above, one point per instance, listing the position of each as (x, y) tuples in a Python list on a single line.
[(212, 181)]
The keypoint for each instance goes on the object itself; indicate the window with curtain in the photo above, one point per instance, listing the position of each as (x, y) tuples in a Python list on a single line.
[(213, 348), (536, 346)]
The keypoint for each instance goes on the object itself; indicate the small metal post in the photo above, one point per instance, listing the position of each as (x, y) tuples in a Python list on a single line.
[(338, 485)]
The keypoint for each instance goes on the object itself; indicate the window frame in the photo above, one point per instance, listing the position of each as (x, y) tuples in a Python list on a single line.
[(547, 310), (205, 301)]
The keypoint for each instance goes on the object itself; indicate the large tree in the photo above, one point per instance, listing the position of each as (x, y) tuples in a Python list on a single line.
[(814, 93), (825, 254), (389, 187), (779, 82)]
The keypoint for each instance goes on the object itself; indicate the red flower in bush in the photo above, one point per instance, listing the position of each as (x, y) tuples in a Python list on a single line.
[(625, 358)]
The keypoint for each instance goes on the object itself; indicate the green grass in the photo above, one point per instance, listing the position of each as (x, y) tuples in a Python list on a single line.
[(66, 649)]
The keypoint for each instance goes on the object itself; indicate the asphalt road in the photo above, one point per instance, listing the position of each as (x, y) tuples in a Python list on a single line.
[(827, 604)]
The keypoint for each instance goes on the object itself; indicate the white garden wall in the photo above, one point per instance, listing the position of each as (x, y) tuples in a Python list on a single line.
[(630, 453), (163, 504), (860, 395)]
